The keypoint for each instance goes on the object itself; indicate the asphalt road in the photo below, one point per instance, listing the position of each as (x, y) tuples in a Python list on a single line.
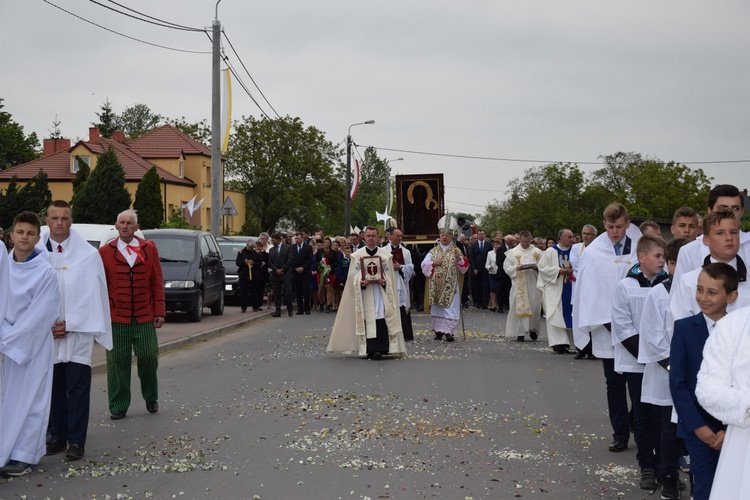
[(263, 412)]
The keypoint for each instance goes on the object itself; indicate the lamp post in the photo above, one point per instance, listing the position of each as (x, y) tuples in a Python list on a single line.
[(349, 174)]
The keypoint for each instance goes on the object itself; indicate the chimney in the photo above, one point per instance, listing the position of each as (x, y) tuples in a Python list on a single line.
[(118, 135), (52, 146), (94, 134)]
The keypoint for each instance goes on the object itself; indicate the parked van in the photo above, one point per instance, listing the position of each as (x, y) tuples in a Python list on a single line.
[(193, 270), (97, 235)]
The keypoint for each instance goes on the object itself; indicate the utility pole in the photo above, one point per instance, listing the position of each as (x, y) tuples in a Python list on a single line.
[(216, 168), (348, 220)]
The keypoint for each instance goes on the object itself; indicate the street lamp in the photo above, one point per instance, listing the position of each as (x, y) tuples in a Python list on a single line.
[(349, 174)]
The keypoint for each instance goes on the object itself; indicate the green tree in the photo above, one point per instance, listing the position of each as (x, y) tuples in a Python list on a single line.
[(15, 146), (10, 203), (544, 200), (137, 120), (287, 171), (148, 201), (371, 194), (36, 196), (200, 131), (649, 187), (107, 120), (103, 196)]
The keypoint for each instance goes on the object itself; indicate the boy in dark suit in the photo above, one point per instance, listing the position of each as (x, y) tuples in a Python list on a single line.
[(703, 434), (280, 267)]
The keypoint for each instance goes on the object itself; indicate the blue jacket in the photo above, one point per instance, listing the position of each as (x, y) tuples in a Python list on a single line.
[(685, 358)]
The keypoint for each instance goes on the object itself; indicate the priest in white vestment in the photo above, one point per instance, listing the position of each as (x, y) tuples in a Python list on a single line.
[(556, 283), (403, 270), (26, 349), (444, 267), (525, 299), (368, 321)]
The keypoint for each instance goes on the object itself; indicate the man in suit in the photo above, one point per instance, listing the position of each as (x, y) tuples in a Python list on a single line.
[(302, 257), (480, 282), (280, 265), (354, 241)]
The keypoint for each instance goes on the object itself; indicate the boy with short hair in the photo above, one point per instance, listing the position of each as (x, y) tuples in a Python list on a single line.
[(627, 307), (702, 433), (27, 349), (655, 330), (723, 196), (685, 224), (605, 262), (721, 235)]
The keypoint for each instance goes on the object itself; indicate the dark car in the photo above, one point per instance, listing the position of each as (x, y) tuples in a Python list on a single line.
[(230, 247), (193, 270)]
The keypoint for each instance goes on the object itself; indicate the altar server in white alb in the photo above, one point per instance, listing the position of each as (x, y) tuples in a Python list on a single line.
[(525, 299), (403, 270), (26, 349), (84, 318), (604, 263), (444, 267), (723, 390), (556, 283)]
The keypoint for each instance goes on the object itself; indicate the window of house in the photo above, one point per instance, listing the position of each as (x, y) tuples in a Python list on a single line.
[(74, 162), (181, 170)]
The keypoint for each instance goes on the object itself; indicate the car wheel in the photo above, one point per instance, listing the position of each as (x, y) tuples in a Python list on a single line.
[(217, 309), (196, 313)]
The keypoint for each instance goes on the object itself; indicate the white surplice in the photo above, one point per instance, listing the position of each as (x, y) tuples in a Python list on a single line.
[(655, 331), (599, 272), (445, 319), (551, 283), (27, 347), (402, 282), (723, 390), (518, 326), (85, 304), (627, 309)]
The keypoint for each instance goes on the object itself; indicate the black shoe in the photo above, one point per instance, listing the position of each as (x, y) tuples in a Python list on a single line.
[(670, 489), (648, 479), (493, 309), (591, 356), (276, 314), (619, 445), (300, 312), (243, 310), (449, 337), (75, 452), (152, 407), (520, 338), (117, 415), (256, 309), (533, 335), (14, 468), (438, 336), (291, 312), (376, 356), (307, 311), (580, 355), (55, 446)]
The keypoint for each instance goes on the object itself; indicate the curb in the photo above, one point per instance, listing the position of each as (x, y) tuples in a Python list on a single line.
[(194, 338)]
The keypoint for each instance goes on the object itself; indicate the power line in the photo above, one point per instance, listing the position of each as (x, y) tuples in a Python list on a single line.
[(124, 35), (177, 26), (526, 160), (251, 76), (159, 23)]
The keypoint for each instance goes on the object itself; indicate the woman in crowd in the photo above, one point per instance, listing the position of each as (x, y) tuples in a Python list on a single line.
[(491, 266)]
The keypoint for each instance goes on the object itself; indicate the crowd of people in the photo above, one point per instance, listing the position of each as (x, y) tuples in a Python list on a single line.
[(675, 369)]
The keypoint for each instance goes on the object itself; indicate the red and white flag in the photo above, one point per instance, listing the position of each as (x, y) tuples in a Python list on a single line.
[(355, 180)]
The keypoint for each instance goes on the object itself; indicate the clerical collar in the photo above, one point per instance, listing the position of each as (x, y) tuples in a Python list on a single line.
[(736, 263), (445, 247), (371, 252)]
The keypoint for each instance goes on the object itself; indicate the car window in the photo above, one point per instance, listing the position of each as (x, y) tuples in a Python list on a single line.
[(230, 249), (204, 247), (212, 248), (174, 248)]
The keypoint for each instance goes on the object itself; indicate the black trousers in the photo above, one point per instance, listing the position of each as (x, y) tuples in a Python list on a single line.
[(282, 291), (71, 392), (302, 290), (244, 292)]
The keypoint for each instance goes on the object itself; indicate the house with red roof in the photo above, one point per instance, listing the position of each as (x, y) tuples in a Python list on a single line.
[(183, 165)]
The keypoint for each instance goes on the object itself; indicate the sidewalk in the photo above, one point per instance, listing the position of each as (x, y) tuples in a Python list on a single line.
[(178, 331)]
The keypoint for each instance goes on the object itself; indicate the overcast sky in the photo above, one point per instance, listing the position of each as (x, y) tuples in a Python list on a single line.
[(536, 80)]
